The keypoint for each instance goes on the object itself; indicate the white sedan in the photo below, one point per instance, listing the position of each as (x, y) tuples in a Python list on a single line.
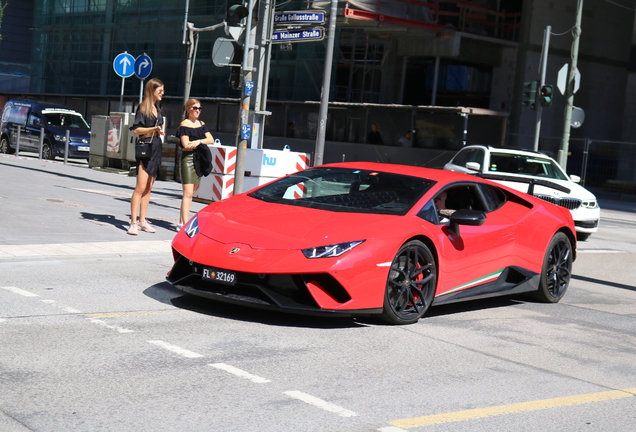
[(516, 168)]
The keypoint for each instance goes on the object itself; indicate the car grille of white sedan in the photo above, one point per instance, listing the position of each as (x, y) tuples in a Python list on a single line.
[(568, 203)]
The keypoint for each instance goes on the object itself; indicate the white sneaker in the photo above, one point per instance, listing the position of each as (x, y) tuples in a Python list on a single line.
[(145, 226), (133, 229), (179, 226)]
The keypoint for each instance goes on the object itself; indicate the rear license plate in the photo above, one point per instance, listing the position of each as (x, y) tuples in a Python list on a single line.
[(220, 276), (83, 148)]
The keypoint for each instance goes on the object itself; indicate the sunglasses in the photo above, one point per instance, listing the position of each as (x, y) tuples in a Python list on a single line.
[(196, 108)]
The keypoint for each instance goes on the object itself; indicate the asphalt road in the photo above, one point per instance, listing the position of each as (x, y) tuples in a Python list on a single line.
[(93, 339)]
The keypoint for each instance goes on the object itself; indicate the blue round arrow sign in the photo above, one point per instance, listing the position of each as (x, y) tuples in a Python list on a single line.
[(143, 66), (124, 65)]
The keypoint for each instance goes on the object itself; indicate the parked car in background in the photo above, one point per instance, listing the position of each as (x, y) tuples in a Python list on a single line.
[(515, 168), (29, 117)]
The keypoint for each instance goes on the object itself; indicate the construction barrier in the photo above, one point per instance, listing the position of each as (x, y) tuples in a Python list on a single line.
[(261, 166)]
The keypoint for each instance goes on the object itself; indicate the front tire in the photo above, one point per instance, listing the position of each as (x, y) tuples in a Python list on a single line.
[(410, 286), (47, 151), (556, 271)]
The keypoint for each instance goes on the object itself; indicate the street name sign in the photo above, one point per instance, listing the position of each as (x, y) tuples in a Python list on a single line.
[(307, 35), (300, 17)]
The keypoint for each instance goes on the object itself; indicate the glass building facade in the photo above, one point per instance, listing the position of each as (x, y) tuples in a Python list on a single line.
[(76, 41)]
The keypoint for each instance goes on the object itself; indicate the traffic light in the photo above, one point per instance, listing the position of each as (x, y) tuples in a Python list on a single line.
[(545, 95), (530, 94), (236, 12), (235, 78)]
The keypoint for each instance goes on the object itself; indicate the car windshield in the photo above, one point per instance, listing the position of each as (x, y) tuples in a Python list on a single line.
[(525, 165), (66, 120), (347, 190)]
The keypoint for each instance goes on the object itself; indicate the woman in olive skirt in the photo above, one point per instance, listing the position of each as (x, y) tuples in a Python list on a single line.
[(148, 124), (192, 132)]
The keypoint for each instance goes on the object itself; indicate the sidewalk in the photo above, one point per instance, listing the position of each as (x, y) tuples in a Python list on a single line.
[(78, 211)]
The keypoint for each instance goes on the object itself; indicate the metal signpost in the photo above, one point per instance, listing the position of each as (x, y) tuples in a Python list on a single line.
[(124, 67)]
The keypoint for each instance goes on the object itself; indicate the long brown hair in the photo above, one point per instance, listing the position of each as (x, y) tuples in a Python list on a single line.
[(189, 104), (145, 107)]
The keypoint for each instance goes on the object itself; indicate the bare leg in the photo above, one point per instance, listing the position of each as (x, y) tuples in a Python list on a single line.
[(145, 197), (186, 202), (136, 200)]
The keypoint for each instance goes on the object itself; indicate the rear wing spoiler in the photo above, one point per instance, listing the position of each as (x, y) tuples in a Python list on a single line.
[(531, 182)]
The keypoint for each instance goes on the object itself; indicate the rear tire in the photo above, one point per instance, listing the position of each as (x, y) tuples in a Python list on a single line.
[(410, 286), (556, 271)]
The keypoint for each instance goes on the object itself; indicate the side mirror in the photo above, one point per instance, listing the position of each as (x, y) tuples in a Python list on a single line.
[(473, 166), (465, 217), (575, 178)]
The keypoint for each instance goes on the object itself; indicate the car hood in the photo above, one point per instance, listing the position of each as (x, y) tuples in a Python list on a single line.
[(74, 133), (576, 190), (264, 225)]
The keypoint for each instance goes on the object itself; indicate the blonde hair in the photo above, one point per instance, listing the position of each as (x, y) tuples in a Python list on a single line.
[(145, 107), (189, 104)]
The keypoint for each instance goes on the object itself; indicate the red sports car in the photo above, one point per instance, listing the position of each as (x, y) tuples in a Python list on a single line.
[(369, 238)]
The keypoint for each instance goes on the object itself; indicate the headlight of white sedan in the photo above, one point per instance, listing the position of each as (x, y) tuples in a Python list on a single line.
[(591, 204), (330, 251)]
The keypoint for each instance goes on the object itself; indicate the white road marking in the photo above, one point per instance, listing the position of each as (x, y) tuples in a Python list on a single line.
[(312, 400), (109, 326), (240, 373), (85, 249), (175, 349), (603, 251), (21, 292), (391, 429)]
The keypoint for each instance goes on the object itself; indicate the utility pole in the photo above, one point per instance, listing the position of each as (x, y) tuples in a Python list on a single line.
[(326, 85), (244, 128), (569, 88), (544, 64)]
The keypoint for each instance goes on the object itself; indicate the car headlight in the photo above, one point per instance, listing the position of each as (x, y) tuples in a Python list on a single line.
[(192, 228), (330, 251), (60, 138), (590, 204)]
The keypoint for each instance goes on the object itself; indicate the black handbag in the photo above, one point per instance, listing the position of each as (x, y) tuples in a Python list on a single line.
[(142, 148)]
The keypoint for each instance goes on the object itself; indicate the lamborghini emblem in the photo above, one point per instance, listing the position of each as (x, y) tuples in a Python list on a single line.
[(235, 250)]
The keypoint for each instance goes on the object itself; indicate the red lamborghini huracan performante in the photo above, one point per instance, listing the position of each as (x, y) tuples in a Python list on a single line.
[(370, 238)]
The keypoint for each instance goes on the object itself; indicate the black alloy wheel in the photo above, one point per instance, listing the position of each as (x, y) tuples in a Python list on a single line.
[(557, 270), (410, 287), (47, 151)]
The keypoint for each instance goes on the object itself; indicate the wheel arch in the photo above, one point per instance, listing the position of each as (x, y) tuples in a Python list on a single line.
[(429, 244), (572, 237)]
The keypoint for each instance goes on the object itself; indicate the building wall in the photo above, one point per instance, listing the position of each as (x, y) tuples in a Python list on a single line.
[(604, 48), (15, 46)]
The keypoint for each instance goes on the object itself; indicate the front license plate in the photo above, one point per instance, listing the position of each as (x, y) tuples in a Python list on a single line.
[(220, 276), (83, 148)]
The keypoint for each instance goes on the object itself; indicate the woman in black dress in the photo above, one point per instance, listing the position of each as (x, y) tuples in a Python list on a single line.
[(148, 124), (192, 132)]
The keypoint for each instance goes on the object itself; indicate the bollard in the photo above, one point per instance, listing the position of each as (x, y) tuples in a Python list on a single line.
[(17, 142), (68, 139), (41, 142)]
